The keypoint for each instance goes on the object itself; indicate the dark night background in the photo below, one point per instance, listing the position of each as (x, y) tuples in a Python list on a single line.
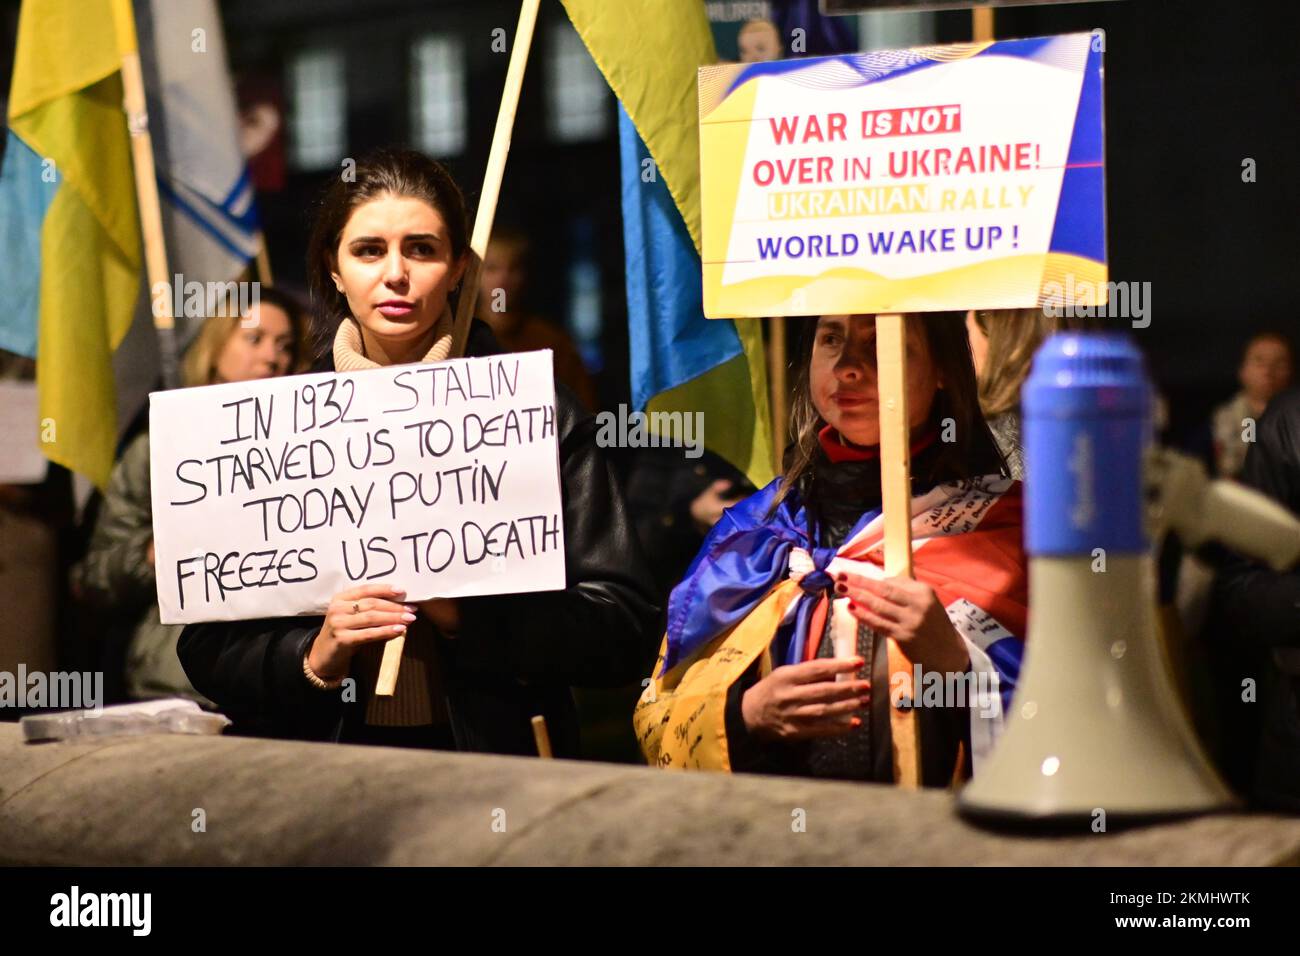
[(1192, 89)]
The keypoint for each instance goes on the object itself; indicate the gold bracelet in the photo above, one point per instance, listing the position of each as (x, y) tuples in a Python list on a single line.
[(317, 681)]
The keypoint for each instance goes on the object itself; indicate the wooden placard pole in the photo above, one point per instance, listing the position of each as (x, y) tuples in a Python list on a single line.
[(981, 32), (542, 738), (896, 504), (487, 207), (146, 191)]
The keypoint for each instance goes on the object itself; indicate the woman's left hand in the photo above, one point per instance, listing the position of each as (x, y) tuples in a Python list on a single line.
[(443, 613), (909, 612)]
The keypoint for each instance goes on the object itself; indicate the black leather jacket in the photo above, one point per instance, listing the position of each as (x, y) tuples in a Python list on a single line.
[(516, 655)]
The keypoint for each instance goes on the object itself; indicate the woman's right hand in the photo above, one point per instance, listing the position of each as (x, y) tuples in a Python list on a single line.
[(356, 617), (802, 701)]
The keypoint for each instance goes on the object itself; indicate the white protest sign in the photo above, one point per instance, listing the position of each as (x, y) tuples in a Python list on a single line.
[(269, 497)]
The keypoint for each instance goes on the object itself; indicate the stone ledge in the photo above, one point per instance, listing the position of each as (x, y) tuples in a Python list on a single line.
[(130, 800)]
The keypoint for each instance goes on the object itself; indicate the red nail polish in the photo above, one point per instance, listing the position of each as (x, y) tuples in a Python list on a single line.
[(856, 722), (841, 589)]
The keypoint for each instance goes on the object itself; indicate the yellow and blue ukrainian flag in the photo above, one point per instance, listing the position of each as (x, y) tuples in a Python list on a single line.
[(649, 51), (69, 231)]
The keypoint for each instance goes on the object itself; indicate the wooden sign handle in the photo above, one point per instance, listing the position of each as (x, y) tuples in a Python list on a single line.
[(896, 504), (542, 738), (487, 208)]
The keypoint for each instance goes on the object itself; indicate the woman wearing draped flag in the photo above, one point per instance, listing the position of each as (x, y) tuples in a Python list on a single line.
[(775, 657)]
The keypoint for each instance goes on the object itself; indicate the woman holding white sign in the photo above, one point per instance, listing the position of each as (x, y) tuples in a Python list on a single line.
[(775, 658), (388, 250)]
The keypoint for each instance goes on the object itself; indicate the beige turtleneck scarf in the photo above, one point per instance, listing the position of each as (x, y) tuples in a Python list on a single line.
[(418, 698), (350, 349)]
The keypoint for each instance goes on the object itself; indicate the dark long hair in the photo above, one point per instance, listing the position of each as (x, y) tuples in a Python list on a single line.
[(387, 171), (972, 451)]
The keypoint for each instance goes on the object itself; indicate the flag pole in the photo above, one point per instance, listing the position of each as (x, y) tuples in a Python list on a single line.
[(146, 191), (263, 260), (487, 207)]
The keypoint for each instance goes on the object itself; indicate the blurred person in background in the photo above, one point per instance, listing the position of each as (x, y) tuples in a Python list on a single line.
[(675, 502), (1254, 634), (1188, 579), (117, 571), (1222, 443), (759, 41), (503, 305), (1265, 370), (1003, 343)]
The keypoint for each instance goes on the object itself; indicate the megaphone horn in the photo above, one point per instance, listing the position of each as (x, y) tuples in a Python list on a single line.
[(1096, 730)]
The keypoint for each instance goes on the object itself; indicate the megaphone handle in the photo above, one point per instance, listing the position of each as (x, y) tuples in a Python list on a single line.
[(896, 504)]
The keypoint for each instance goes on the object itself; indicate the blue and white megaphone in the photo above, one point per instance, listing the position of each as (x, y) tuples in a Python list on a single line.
[(1096, 723)]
